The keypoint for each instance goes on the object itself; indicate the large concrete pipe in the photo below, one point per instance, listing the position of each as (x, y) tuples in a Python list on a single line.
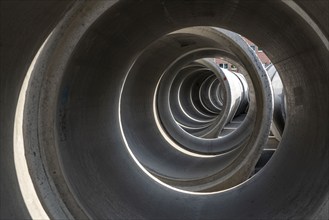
[(79, 139), (279, 114)]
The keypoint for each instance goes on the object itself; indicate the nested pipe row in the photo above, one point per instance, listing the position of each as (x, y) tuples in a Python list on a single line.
[(180, 92), (95, 143), (198, 95)]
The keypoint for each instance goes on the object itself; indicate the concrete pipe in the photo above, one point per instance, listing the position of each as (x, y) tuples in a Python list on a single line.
[(180, 86), (279, 113), (70, 151)]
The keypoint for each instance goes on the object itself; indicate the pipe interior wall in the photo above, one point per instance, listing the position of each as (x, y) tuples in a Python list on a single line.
[(78, 115), (24, 26)]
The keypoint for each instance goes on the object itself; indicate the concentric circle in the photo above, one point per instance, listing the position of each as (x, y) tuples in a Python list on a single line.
[(126, 117)]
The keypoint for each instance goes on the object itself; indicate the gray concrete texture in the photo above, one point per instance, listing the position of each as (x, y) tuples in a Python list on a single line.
[(78, 135)]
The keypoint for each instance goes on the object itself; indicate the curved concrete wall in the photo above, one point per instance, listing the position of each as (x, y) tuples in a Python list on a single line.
[(73, 141)]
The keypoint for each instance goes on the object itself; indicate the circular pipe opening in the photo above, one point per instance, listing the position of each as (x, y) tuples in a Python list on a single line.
[(105, 118)]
